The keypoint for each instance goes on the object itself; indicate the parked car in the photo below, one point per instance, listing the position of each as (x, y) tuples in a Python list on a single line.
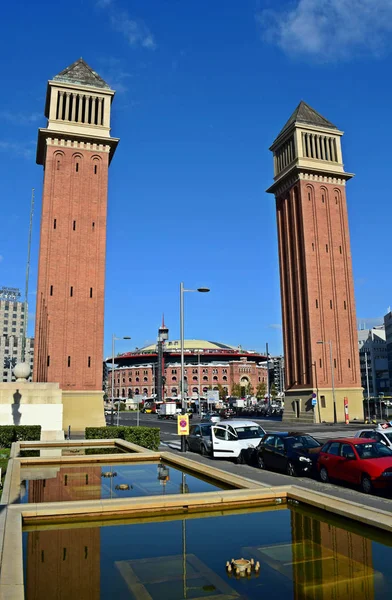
[(211, 418), (292, 452), (382, 433), (199, 439), (356, 460), (234, 438)]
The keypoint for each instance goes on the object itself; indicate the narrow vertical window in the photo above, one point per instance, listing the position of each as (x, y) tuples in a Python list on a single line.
[(54, 223), (74, 225), (334, 362), (323, 198), (42, 556), (69, 361), (64, 553), (93, 226), (316, 303), (65, 479), (71, 291), (95, 169), (313, 246), (86, 479), (51, 290), (321, 363), (326, 247), (77, 167), (330, 304), (91, 292), (308, 195), (58, 165), (345, 305), (85, 551), (89, 361), (340, 249), (349, 363), (48, 361)]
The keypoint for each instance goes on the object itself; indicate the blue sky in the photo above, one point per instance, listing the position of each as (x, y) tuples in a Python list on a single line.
[(203, 88)]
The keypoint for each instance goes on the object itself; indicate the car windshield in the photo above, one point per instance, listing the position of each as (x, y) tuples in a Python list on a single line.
[(388, 435), (302, 441), (206, 431), (251, 431), (373, 450)]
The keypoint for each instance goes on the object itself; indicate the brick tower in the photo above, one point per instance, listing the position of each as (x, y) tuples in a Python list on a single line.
[(318, 307), (75, 150)]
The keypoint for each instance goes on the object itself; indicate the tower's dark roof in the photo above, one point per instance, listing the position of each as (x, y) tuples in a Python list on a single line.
[(306, 114), (79, 72)]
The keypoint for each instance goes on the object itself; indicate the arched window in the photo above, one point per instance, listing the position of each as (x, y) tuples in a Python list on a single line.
[(137, 391), (194, 378), (215, 378), (205, 378), (145, 379), (205, 390), (145, 391), (174, 391), (195, 390), (174, 379), (137, 379)]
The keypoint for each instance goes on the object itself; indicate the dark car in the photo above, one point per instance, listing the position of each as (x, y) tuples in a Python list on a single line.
[(199, 439), (292, 452), (361, 461)]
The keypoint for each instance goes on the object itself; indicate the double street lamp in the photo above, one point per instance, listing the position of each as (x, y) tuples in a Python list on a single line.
[(114, 338), (183, 398), (332, 377)]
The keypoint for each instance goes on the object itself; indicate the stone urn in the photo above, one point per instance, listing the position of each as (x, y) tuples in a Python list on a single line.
[(22, 372)]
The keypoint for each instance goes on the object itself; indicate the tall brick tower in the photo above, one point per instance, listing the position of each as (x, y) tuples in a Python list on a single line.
[(75, 150), (318, 307)]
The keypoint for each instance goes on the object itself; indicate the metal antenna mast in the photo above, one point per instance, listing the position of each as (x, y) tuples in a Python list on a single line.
[(23, 356)]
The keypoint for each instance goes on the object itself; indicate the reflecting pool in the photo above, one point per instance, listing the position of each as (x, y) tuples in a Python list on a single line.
[(302, 556), (55, 483)]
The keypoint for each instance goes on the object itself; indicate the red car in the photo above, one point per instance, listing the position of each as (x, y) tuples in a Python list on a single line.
[(365, 462)]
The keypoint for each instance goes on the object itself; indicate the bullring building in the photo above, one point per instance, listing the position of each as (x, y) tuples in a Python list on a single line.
[(207, 365)]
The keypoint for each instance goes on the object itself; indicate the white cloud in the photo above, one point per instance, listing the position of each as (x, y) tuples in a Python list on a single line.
[(275, 326), (135, 32), (329, 30), (19, 118), (23, 149)]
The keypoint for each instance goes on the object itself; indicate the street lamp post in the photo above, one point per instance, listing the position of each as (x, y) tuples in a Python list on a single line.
[(367, 387), (183, 400), (114, 338), (332, 377)]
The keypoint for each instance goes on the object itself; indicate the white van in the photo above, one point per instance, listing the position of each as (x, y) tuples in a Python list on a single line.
[(230, 438)]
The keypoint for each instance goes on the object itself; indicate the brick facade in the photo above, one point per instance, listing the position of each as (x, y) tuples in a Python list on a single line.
[(71, 276)]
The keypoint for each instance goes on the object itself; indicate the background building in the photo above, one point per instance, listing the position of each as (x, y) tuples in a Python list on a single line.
[(12, 323), (388, 341), (318, 305), (373, 347), (208, 365)]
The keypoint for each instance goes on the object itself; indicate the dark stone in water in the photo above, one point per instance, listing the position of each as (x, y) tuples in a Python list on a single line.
[(209, 588)]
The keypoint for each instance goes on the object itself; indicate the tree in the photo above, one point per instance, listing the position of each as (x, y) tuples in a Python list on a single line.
[(222, 392), (273, 391), (261, 391), (250, 389), (236, 390)]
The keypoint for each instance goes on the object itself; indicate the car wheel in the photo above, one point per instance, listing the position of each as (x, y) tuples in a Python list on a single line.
[(324, 475), (290, 469), (366, 484), (240, 459), (260, 462)]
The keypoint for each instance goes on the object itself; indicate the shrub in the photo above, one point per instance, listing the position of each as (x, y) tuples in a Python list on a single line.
[(18, 433), (147, 437)]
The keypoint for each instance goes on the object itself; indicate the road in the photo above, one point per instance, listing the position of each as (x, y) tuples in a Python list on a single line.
[(170, 442)]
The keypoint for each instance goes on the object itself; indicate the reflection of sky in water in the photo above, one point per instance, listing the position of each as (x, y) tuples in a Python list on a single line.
[(148, 479), (153, 553)]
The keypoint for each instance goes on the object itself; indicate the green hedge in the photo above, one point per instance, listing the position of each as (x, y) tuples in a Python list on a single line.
[(18, 433), (147, 437)]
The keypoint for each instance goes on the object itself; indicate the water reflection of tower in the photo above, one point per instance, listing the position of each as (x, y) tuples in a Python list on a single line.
[(163, 476), (329, 563), (64, 563), (163, 335)]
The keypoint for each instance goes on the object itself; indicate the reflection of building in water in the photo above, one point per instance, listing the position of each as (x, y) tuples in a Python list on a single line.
[(330, 563), (63, 564), (83, 483)]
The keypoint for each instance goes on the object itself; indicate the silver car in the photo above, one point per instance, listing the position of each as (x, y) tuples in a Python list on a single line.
[(211, 418)]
